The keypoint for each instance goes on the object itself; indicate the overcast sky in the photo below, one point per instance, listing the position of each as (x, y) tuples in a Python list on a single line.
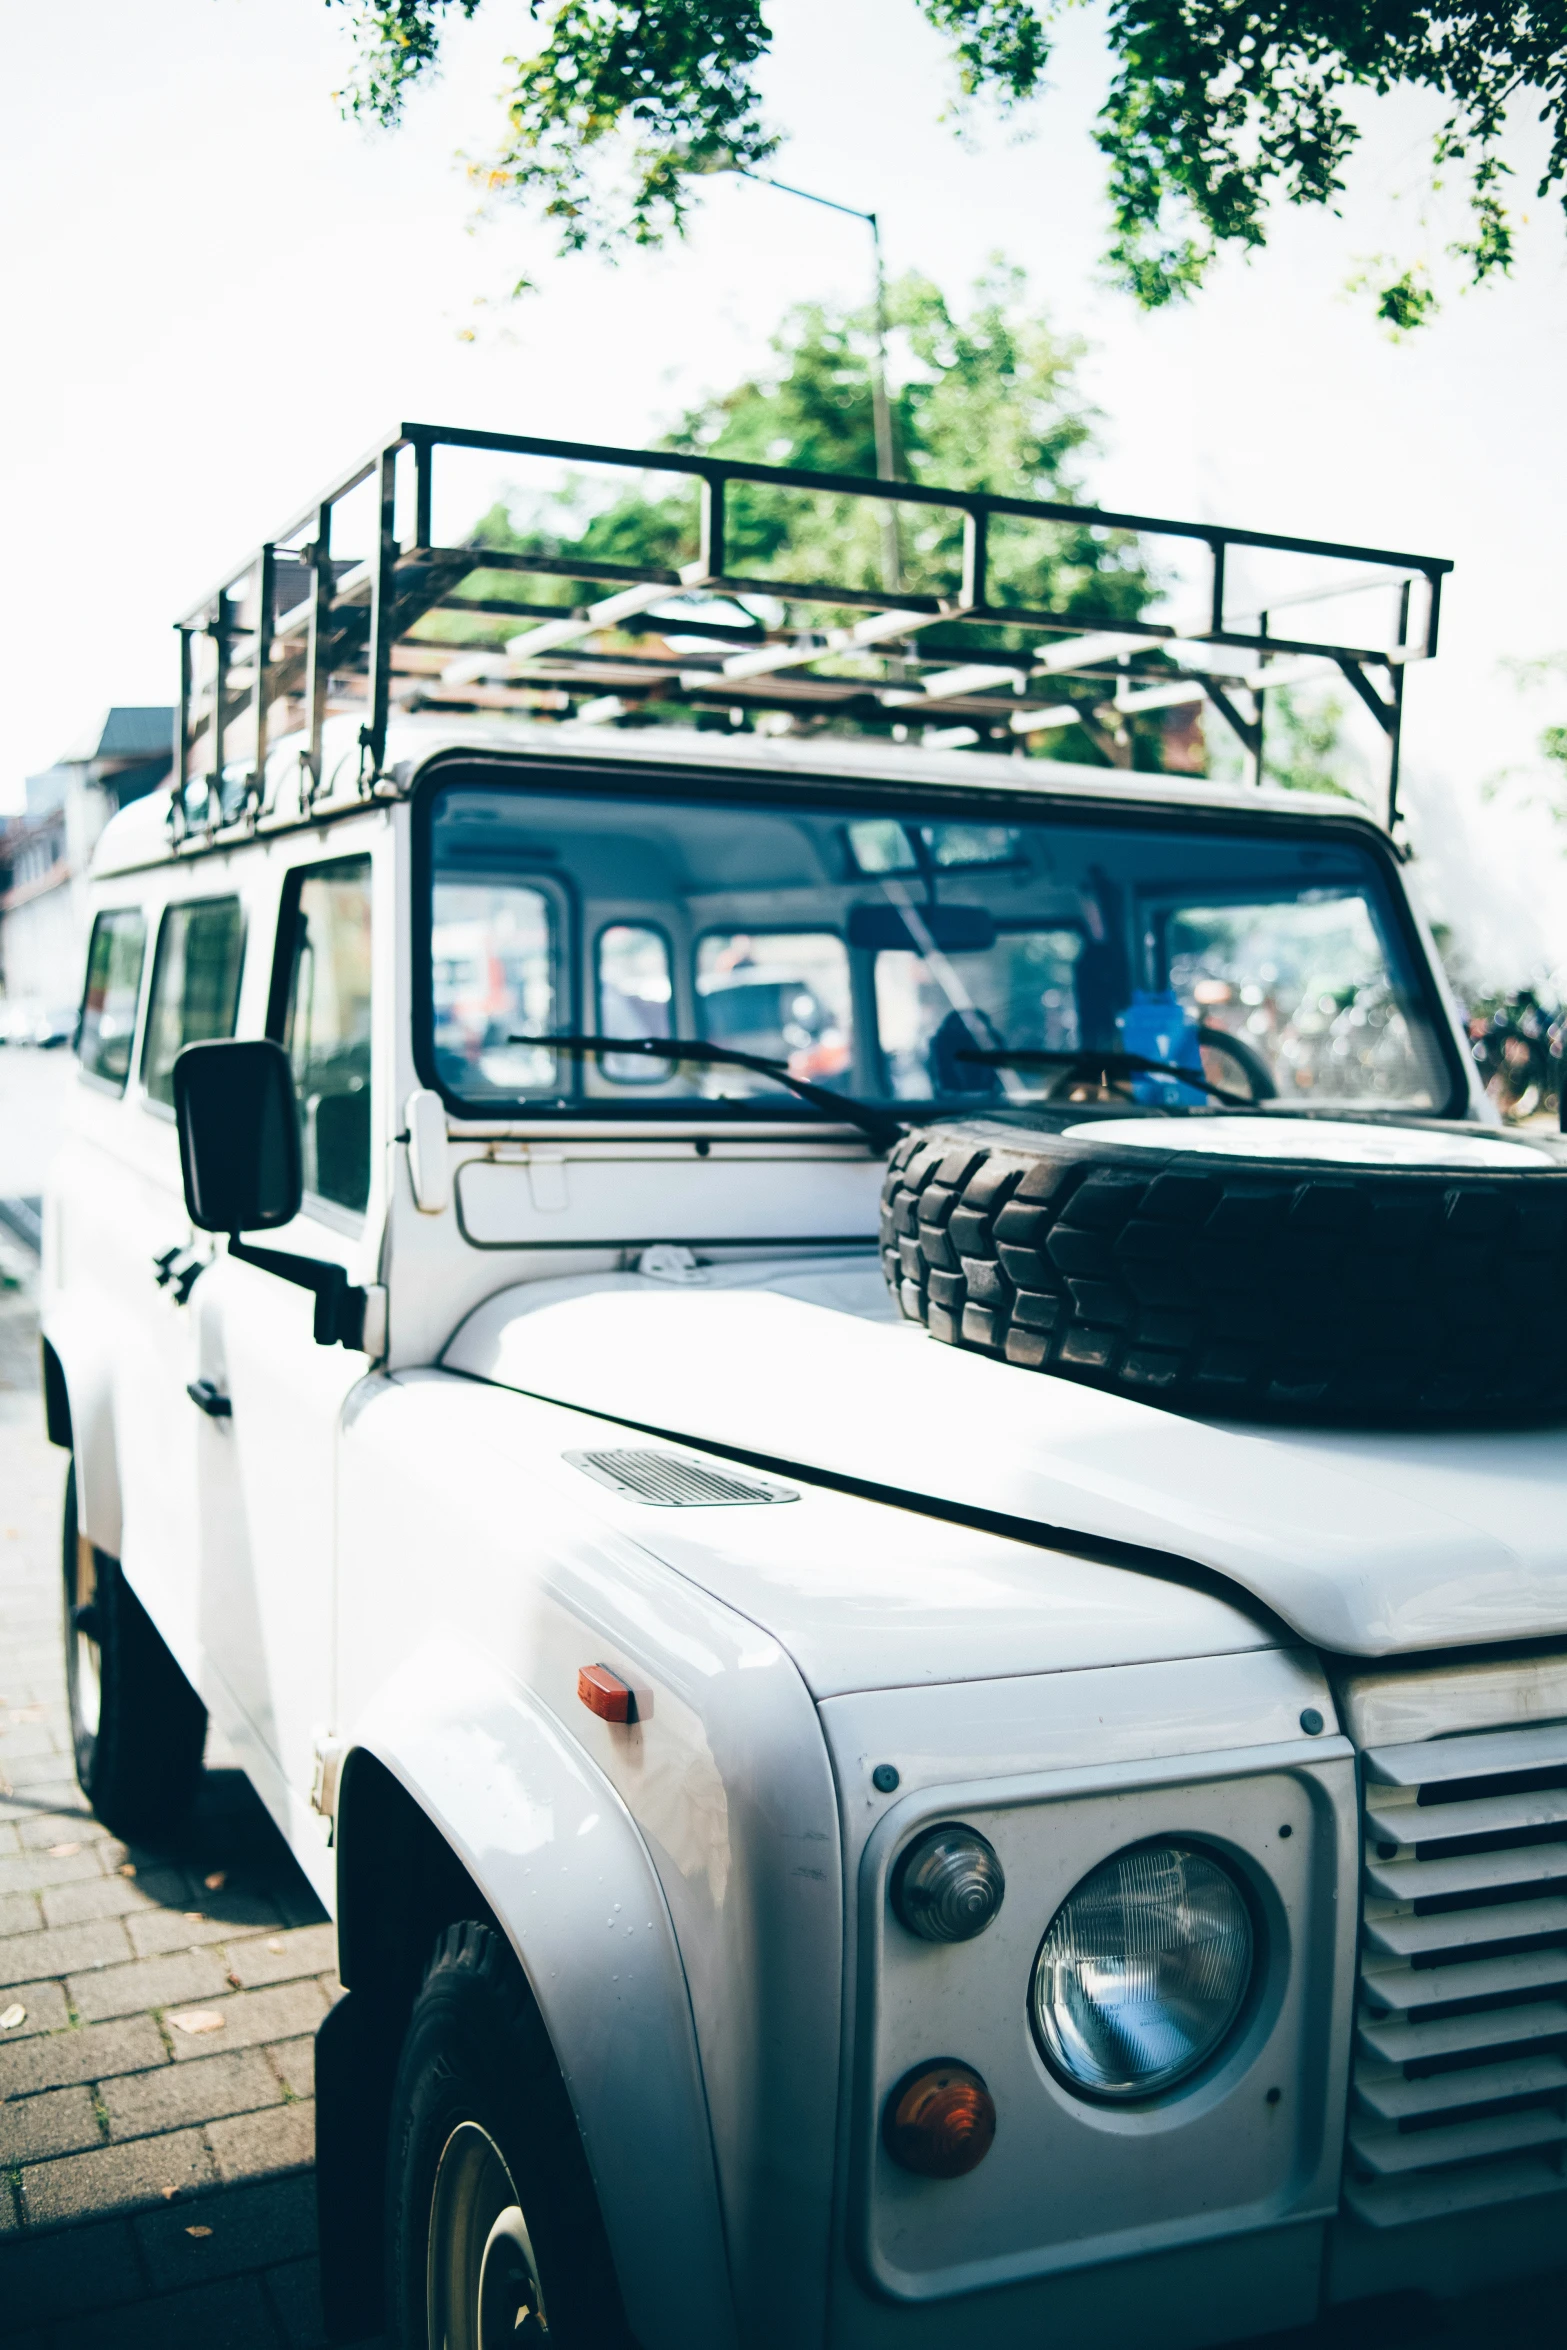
[(217, 292)]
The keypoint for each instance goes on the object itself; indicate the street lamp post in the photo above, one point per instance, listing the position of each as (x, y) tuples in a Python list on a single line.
[(881, 407)]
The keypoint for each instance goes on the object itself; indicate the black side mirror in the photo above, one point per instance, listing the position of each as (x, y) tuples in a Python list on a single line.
[(239, 1135)]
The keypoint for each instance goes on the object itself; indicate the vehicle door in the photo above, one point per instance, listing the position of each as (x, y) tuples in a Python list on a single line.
[(273, 1396), (146, 1235)]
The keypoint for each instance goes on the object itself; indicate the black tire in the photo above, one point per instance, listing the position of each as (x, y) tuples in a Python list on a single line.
[(477, 2064), (137, 1726), (1244, 1287)]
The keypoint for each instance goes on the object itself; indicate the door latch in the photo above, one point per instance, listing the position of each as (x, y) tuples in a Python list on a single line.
[(210, 1399)]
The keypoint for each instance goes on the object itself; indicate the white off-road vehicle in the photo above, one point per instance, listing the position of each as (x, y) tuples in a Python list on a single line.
[(862, 1440)]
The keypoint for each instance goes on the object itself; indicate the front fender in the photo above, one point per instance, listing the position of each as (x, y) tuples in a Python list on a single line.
[(78, 1340), (557, 1856)]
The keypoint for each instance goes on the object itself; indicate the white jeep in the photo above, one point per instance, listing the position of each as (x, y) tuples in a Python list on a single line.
[(863, 1444)]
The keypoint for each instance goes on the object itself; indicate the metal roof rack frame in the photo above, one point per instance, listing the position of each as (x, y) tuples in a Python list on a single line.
[(298, 630)]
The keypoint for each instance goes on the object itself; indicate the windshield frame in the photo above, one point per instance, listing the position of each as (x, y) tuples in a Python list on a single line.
[(911, 799)]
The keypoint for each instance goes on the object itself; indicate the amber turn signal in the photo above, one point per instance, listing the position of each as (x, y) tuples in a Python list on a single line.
[(605, 1694), (939, 2121)]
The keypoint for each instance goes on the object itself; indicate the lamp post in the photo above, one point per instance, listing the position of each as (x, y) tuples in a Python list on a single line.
[(881, 407)]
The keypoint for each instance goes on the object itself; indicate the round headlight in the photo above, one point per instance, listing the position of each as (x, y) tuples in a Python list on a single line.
[(948, 1885), (1142, 1971)]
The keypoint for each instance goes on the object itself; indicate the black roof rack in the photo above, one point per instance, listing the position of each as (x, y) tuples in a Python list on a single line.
[(300, 630)]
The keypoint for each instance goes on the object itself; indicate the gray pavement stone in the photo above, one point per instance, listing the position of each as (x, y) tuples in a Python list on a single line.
[(29, 1867), (152, 1932), (9, 1840), (294, 2062), (114, 1897), (115, 2178), (178, 2094), (71, 1823), (24, 1740), (95, 2053), (280, 1958), (295, 2295), (182, 1977), (20, 1913), (43, 2010), (61, 2121), (230, 2316), (251, 2018), (256, 2145), (63, 1950), (252, 2227), (60, 2275)]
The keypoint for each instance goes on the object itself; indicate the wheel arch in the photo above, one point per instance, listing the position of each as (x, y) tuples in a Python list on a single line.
[(462, 1798), (78, 1389)]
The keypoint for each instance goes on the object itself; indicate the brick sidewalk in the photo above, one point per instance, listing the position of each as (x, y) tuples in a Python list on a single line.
[(156, 2123)]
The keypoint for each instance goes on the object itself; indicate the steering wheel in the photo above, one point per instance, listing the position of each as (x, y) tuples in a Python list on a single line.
[(1246, 1057)]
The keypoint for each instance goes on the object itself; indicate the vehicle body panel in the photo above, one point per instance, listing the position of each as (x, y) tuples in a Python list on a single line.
[(1399, 1549)]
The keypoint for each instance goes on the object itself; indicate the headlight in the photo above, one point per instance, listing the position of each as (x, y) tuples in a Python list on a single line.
[(948, 1886), (1142, 1972)]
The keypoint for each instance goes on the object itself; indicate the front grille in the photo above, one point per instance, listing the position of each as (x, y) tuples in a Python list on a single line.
[(1459, 2096)]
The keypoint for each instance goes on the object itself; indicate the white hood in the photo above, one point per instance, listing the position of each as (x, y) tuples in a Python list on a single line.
[(1366, 1544)]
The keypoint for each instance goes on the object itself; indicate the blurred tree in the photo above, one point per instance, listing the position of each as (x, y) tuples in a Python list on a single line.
[(1516, 1040), (1217, 109), (985, 398)]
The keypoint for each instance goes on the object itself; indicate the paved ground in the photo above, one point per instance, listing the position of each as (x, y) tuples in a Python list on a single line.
[(156, 2009)]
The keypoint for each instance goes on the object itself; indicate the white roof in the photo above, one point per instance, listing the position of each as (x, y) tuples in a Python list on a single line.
[(141, 833)]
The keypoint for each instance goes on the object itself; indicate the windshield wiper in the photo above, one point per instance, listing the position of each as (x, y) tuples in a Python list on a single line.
[(882, 1129), (1108, 1065)]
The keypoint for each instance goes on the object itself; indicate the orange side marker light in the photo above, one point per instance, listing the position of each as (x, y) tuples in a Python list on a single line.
[(940, 2121), (605, 1694)]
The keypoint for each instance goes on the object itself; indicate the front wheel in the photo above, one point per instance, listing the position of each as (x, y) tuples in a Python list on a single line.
[(494, 2235), (137, 1726)]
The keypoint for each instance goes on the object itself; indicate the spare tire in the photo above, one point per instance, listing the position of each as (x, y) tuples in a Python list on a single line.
[(1396, 1272)]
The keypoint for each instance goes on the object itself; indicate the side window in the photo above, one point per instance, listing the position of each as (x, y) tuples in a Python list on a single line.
[(195, 986), (322, 1014), (495, 955), (782, 993), (115, 954), (635, 997)]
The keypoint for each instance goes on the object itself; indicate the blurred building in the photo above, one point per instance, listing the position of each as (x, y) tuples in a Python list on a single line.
[(44, 852)]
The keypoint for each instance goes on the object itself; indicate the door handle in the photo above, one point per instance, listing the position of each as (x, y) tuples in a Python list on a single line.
[(210, 1400), (164, 1266)]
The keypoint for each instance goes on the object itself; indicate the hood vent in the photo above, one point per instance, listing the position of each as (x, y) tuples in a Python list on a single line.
[(669, 1481)]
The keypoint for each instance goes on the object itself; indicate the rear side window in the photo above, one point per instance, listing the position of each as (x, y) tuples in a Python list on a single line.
[(321, 1012), (195, 986), (115, 954)]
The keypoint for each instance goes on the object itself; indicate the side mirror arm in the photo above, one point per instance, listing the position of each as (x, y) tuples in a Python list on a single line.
[(340, 1307)]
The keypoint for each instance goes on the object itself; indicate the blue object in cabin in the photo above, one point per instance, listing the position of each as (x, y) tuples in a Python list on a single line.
[(1157, 1027)]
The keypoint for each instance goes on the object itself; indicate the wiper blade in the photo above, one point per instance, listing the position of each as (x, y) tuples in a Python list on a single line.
[(846, 1108), (1108, 1065)]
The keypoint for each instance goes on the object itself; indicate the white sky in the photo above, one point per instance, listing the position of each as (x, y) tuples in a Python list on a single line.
[(217, 292)]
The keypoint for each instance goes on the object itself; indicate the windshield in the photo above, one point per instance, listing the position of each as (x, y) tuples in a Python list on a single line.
[(874, 950)]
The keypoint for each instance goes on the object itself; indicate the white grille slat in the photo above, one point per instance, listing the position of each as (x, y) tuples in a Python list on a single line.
[(1394, 2098), (1386, 2151), (1480, 1754), (1410, 1824), (1466, 1929), (1443, 2194), (1470, 1872), (1404, 1987), (1426, 2142), (1399, 2043)]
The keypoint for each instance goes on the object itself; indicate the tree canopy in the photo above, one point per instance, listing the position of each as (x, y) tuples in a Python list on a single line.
[(984, 396), (1217, 109)]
